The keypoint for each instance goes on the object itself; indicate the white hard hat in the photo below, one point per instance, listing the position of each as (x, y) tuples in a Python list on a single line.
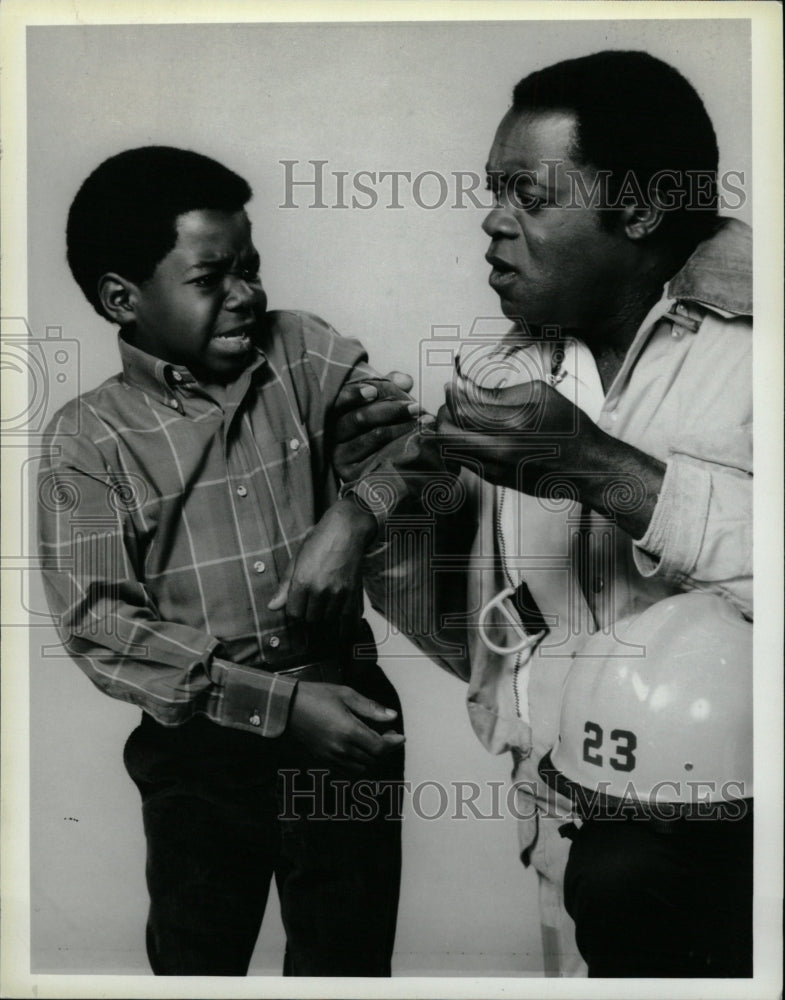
[(660, 708)]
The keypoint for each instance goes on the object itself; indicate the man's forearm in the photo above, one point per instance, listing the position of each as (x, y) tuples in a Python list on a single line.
[(619, 482)]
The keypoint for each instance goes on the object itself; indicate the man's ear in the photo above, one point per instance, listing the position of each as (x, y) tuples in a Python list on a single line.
[(640, 221), (118, 298)]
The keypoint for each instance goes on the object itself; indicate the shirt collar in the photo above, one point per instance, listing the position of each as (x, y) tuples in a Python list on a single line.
[(161, 379), (719, 272)]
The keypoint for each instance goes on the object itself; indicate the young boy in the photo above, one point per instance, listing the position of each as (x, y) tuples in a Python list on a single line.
[(199, 564)]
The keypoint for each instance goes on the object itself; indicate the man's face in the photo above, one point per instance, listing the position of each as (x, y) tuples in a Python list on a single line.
[(204, 300), (553, 263)]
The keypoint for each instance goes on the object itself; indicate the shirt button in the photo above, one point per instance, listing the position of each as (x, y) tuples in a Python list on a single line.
[(255, 719), (676, 333), (173, 403), (294, 444), (177, 376), (275, 642), (242, 491), (259, 566)]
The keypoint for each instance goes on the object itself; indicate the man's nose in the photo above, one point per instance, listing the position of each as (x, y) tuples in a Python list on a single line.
[(500, 222)]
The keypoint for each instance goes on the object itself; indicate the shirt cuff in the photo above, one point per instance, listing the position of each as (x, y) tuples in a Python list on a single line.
[(379, 492), (252, 699), (673, 541)]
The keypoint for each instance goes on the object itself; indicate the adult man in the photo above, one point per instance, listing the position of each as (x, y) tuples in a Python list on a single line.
[(608, 468)]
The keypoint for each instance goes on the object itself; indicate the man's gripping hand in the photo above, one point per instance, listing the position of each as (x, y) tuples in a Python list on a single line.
[(322, 583), (328, 720), (516, 436), (531, 438), (369, 414)]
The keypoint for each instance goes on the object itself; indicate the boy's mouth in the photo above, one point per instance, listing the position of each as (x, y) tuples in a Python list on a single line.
[(234, 341)]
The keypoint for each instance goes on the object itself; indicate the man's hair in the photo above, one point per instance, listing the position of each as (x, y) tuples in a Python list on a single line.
[(123, 218), (636, 117)]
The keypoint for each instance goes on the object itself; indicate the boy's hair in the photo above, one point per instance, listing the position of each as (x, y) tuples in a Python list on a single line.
[(636, 116), (123, 218)]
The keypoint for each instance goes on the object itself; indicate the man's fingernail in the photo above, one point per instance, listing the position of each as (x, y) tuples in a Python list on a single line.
[(427, 418), (390, 711), (413, 408), (368, 392)]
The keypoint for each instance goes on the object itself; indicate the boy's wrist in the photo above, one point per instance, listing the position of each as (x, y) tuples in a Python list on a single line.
[(362, 521)]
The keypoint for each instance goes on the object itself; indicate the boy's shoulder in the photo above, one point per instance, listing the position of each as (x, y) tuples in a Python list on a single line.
[(297, 327), (299, 334), (80, 416)]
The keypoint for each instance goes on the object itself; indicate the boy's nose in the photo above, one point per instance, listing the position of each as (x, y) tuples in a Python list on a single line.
[(240, 294)]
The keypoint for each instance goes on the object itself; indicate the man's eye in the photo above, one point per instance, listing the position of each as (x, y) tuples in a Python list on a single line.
[(524, 198), (250, 274), (492, 185)]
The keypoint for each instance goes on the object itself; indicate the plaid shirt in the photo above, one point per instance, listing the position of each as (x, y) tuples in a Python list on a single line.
[(168, 513)]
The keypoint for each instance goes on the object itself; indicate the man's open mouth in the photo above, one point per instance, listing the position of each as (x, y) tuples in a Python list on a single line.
[(502, 273)]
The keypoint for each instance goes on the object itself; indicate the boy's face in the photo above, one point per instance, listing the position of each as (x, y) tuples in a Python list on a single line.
[(202, 304)]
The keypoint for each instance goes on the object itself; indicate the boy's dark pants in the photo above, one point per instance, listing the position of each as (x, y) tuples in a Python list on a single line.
[(211, 802)]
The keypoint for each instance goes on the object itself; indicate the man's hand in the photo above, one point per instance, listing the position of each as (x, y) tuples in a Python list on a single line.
[(328, 719), (517, 436), (531, 438), (369, 414), (322, 583)]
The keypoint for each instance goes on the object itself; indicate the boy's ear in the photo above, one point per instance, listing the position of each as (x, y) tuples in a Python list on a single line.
[(118, 298)]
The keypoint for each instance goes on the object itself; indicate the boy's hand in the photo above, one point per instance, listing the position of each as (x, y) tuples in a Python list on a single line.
[(322, 582), (326, 719)]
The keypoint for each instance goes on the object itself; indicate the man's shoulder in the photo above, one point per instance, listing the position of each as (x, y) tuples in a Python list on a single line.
[(718, 274)]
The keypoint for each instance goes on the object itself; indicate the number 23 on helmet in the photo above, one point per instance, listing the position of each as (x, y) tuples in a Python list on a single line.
[(660, 710)]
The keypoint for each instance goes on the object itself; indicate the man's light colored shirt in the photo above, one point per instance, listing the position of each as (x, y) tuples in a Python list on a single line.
[(684, 396)]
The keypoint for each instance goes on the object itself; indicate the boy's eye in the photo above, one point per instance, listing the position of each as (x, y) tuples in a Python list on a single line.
[(211, 279), (207, 280), (250, 273)]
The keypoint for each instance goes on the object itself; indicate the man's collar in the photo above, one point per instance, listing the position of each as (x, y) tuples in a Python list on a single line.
[(719, 272), (161, 379)]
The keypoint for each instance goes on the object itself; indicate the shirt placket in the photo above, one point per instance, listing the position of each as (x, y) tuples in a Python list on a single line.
[(248, 498), (603, 557)]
